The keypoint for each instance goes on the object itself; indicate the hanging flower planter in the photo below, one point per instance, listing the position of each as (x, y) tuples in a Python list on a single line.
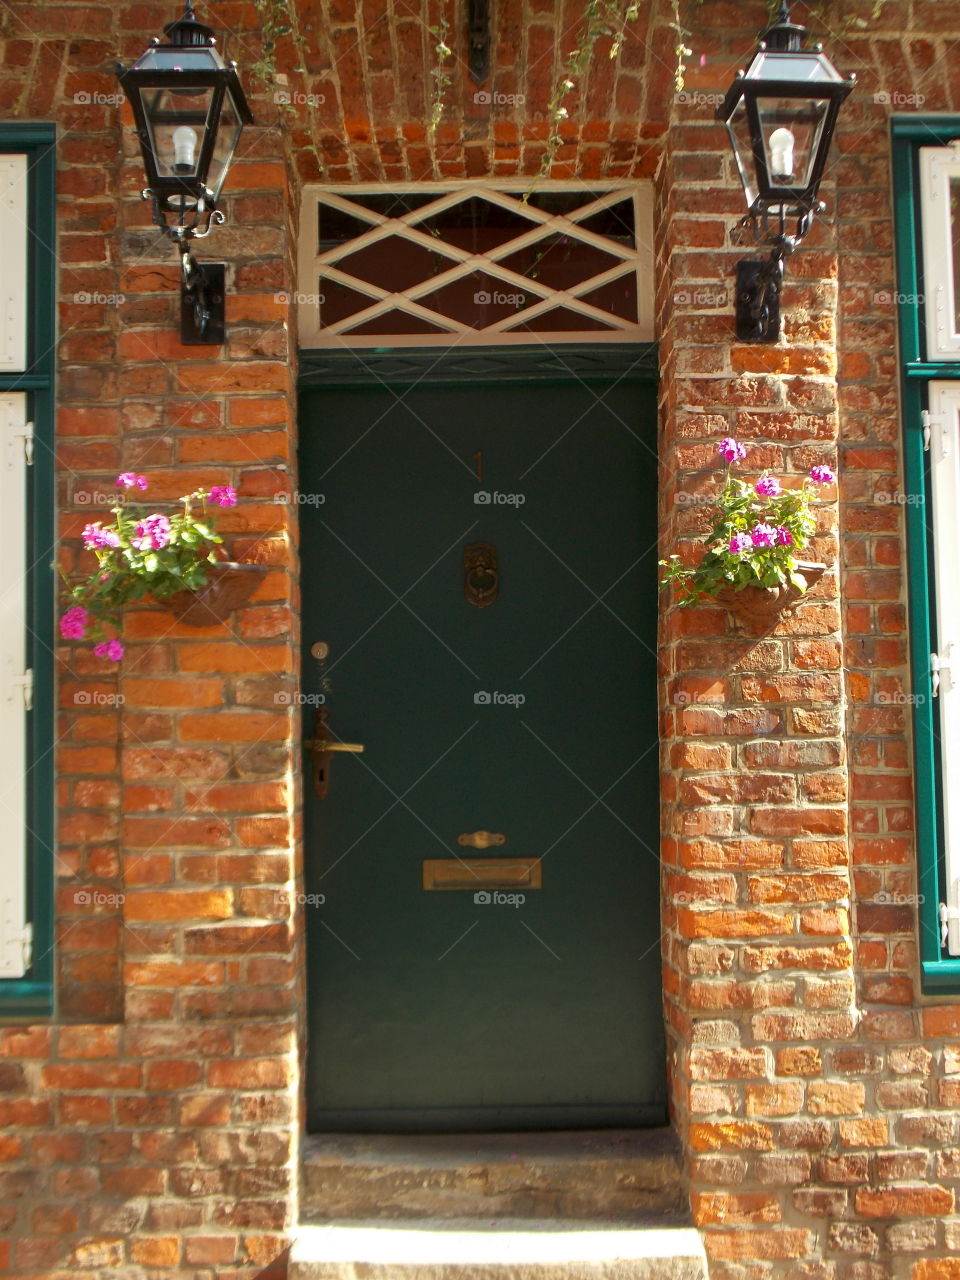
[(763, 604), (172, 558), (228, 587), (750, 563)]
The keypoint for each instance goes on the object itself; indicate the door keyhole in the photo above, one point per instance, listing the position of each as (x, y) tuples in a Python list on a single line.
[(478, 465)]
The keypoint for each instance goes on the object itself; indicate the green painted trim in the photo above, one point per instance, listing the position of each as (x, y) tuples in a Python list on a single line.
[(906, 220), (602, 362), (941, 975), (33, 995), (26, 137), (23, 382), (909, 134), (931, 131), (927, 372), (21, 998)]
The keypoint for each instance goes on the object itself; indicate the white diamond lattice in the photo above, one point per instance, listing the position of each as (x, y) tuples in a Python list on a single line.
[(532, 323)]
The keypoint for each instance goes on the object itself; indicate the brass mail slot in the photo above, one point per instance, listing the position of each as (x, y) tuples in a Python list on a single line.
[(482, 873)]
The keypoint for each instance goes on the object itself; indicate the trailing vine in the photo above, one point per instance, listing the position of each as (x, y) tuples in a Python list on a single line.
[(600, 18), (276, 19), (680, 48), (820, 12), (275, 22), (611, 18), (439, 73)]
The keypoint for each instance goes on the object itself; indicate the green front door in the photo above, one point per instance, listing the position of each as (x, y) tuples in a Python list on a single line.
[(506, 701)]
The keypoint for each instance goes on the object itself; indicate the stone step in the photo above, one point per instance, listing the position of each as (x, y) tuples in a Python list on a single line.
[(628, 1175), (505, 1250)]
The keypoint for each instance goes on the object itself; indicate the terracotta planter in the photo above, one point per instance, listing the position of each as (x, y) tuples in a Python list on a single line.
[(229, 586), (762, 604)]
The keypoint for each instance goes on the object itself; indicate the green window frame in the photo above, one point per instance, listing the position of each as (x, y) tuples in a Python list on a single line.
[(32, 994), (940, 971)]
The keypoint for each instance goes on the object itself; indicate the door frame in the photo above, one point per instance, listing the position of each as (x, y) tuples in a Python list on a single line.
[(408, 367)]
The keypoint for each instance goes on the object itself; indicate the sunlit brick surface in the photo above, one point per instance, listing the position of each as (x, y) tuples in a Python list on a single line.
[(151, 1128)]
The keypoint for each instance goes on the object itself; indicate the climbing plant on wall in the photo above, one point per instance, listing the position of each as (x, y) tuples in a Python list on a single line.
[(612, 18), (601, 19), (439, 72), (275, 21)]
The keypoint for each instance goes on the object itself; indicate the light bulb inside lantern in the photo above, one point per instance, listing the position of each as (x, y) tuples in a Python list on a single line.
[(184, 149), (781, 154)]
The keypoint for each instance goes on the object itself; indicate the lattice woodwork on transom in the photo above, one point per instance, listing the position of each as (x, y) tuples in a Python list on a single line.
[(475, 264)]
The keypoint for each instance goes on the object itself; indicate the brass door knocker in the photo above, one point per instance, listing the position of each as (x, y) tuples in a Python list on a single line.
[(481, 574)]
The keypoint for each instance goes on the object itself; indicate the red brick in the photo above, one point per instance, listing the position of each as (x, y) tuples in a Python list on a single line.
[(156, 1251), (178, 904), (904, 1202), (173, 692), (732, 1135), (173, 973), (249, 1073), (101, 1076), (731, 1209), (782, 1243)]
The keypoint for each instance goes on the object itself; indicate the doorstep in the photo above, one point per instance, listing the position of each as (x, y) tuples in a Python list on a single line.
[(631, 1176), (445, 1249)]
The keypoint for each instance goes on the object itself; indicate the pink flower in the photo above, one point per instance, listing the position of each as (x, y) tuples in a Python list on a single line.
[(224, 495), (73, 624), (130, 480), (731, 450), (763, 535), (740, 544), (111, 649), (768, 487), (94, 535), (152, 533), (784, 536), (822, 475)]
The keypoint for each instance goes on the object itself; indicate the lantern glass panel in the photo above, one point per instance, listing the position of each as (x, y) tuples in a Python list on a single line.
[(228, 134), (791, 129), (802, 67), (738, 127), (177, 119)]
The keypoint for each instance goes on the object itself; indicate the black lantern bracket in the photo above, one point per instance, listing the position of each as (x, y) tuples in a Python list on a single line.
[(189, 110), (202, 302), (758, 298), (759, 281), (781, 115), (479, 40)]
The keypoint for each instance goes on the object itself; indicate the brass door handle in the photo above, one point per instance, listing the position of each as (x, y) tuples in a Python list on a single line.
[(321, 746)]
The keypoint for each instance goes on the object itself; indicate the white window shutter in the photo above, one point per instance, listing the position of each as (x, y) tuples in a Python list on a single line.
[(14, 687), (945, 663), (938, 166), (13, 263)]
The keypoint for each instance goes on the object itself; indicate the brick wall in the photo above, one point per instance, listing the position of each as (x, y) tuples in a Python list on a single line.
[(815, 1086), (151, 1128)]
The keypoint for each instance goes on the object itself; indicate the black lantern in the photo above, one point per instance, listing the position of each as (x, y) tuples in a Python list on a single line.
[(190, 109), (781, 114)]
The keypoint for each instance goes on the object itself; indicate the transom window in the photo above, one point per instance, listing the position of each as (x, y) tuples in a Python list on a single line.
[(475, 263)]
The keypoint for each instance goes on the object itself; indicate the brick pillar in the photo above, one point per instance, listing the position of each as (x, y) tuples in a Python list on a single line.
[(178, 803), (758, 953)]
